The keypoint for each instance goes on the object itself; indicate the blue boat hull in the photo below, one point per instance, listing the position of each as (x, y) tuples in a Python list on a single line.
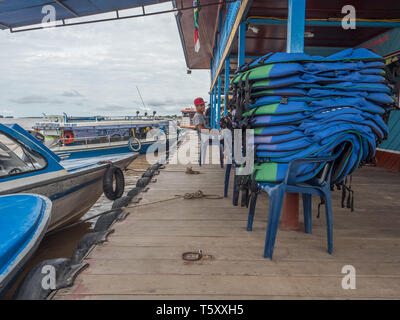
[(96, 152), (24, 219)]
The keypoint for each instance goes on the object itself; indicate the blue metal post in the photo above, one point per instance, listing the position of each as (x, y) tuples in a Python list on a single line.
[(227, 66), (219, 102), (295, 43), (211, 72), (295, 27), (215, 108), (241, 44), (211, 106)]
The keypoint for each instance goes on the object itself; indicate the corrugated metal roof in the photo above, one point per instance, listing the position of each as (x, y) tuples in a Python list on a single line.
[(18, 13)]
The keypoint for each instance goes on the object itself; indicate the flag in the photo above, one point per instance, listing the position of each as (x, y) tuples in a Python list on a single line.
[(196, 5)]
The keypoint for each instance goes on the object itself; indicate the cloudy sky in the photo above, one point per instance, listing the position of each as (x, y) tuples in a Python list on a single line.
[(94, 69)]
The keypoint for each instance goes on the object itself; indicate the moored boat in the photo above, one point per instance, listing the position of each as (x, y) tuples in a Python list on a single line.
[(24, 219), (76, 137), (74, 185)]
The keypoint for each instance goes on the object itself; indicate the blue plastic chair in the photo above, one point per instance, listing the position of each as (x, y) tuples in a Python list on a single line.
[(318, 186), (226, 182)]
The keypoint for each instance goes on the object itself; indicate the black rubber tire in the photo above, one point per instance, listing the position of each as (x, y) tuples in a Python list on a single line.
[(121, 202), (108, 187), (148, 173), (134, 192), (142, 182)]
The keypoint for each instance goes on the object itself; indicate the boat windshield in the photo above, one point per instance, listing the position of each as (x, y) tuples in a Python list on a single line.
[(17, 158)]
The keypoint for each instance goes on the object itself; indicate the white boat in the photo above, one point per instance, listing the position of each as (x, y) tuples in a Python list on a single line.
[(28, 166), (76, 137)]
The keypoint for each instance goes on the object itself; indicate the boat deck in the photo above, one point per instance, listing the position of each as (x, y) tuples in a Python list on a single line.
[(143, 257)]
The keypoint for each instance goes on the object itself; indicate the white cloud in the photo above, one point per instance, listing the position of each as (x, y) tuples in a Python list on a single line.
[(84, 69)]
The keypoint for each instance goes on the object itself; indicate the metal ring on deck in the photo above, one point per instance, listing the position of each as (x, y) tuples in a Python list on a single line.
[(192, 256)]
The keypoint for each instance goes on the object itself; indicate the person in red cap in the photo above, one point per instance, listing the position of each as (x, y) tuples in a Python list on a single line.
[(199, 120)]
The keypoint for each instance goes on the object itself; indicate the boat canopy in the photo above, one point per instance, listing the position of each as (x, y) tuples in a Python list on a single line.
[(20, 13)]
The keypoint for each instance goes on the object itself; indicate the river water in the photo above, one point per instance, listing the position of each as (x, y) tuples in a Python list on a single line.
[(63, 243)]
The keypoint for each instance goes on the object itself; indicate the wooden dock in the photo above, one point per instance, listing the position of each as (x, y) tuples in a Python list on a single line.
[(143, 257)]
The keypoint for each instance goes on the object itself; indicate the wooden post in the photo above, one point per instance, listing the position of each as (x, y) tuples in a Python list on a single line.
[(295, 43), (290, 212)]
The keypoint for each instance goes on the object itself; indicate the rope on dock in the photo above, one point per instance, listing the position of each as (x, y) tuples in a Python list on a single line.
[(187, 196), (189, 170), (198, 195)]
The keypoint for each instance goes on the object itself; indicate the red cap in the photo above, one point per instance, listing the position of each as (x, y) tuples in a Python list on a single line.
[(199, 101)]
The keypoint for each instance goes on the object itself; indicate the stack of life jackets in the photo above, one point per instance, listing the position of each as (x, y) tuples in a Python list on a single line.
[(303, 106)]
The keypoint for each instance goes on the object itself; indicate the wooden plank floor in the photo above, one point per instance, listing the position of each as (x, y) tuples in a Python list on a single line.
[(142, 259)]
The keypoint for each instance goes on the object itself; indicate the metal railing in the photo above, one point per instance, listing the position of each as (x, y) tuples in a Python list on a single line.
[(87, 141)]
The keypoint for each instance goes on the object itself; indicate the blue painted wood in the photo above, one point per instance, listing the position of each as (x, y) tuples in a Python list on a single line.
[(295, 26), (219, 103), (232, 9), (215, 109), (241, 44), (384, 44), (393, 141), (211, 106), (227, 67)]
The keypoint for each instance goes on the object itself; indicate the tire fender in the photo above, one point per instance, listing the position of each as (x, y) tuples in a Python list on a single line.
[(108, 186)]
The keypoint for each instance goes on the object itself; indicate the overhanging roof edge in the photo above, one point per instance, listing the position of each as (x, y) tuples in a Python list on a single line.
[(181, 36), (31, 15), (241, 13)]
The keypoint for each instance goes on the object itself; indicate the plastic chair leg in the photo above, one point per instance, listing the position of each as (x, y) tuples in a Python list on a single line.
[(275, 206), (227, 175), (307, 202), (252, 210), (329, 223)]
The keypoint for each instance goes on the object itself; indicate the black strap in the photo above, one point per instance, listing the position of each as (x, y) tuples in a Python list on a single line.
[(350, 194), (244, 188), (239, 104), (253, 187), (261, 61), (322, 202), (247, 90)]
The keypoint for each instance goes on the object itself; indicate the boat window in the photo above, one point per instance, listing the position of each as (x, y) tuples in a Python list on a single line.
[(16, 158)]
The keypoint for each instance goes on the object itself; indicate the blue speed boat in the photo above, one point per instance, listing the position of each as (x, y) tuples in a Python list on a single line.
[(24, 219), (73, 185)]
